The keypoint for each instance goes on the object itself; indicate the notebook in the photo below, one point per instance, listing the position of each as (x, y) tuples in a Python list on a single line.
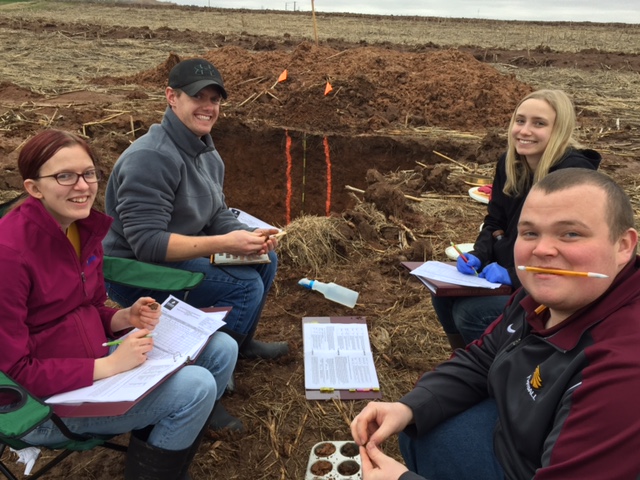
[(229, 259)]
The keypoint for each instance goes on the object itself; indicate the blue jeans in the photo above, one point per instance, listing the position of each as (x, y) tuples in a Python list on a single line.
[(178, 408), (244, 288), (460, 448), (468, 316)]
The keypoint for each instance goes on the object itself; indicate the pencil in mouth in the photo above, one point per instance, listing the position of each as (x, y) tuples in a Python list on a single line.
[(557, 271)]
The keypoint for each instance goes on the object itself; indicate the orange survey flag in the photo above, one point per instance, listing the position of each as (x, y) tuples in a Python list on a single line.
[(328, 89), (283, 76)]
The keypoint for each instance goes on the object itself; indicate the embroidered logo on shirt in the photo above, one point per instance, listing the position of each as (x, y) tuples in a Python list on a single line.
[(91, 259), (534, 382)]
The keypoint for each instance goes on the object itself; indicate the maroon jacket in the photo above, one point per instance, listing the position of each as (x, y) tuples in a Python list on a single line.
[(53, 319), (567, 397)]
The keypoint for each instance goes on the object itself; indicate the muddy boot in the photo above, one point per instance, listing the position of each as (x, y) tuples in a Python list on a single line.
[(456, 341), (146, 462), (220, 419)]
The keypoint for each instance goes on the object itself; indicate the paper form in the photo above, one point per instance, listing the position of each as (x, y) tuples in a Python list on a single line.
[(181, 333), (338, 356), (444, 272)]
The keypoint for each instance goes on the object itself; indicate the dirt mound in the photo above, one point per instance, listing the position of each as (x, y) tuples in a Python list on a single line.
[(373, 88)]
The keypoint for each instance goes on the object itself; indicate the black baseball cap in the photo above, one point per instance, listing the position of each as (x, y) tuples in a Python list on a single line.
[(193, 75)]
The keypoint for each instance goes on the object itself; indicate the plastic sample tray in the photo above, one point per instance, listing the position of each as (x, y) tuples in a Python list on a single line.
[(331, 460)]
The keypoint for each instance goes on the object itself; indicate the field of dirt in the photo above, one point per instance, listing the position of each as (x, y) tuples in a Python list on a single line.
[(363, 177)]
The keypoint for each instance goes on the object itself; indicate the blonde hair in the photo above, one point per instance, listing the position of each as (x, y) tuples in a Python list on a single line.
[(561, 139)]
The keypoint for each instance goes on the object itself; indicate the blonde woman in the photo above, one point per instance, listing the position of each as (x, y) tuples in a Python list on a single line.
[(540, 140)]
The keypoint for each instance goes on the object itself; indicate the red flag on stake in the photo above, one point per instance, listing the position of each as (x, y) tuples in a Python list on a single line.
[(328, 89), (283, 76)]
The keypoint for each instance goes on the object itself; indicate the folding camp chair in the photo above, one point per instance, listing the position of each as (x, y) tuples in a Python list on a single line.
[(21, 412), (137, 274)]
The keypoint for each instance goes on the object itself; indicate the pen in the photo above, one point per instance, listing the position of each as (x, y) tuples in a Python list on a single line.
[(553, 271), (118, 342), (466, 260)]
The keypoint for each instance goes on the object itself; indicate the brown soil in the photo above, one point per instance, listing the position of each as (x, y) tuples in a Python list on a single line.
[(377, 164)]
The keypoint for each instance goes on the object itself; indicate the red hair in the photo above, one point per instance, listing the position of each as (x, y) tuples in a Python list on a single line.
[(40, 148)]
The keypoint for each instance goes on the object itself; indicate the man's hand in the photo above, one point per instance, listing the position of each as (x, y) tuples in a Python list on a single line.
[(378, 466), (271, 240), (378, 421), (244, 243)]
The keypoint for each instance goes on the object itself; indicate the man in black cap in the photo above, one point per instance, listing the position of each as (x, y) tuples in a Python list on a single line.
[(165, 195)]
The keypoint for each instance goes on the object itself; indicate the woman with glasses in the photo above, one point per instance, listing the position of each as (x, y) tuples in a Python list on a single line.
[(54, 321)]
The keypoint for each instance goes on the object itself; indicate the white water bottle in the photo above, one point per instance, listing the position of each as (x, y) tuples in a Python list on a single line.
[(332, 291)]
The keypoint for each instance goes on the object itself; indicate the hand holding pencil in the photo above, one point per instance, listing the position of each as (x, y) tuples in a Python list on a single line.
[(467, 264), (131, 352)]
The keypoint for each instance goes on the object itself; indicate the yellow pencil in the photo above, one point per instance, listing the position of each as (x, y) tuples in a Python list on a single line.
[(553, 271)]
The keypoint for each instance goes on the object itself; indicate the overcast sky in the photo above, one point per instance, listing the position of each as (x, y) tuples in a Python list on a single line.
[(626, 11)]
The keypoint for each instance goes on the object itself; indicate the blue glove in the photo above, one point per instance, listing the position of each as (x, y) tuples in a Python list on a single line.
[(466, 268), (496, 274)]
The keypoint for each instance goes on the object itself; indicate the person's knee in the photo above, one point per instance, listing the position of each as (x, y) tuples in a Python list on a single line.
[(197, 384), (225, 345)]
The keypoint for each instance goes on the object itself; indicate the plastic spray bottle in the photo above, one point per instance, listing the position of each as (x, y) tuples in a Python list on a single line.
[(332, 291)]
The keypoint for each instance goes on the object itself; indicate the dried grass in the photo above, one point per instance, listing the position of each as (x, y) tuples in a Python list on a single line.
[(314, 243)]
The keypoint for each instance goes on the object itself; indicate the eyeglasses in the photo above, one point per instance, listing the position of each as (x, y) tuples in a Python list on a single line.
[(68, 179)]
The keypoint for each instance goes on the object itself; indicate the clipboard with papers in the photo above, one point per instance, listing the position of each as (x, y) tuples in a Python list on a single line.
[(338, 361), (440, 288), (181, 335)]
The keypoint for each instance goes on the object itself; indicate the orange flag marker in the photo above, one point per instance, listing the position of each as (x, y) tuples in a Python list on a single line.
[(283, 76), (328, 89)]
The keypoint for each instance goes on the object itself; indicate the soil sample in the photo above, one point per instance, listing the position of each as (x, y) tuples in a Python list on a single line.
[(348, 468), (325, 449), (321, 467), (350, 450)]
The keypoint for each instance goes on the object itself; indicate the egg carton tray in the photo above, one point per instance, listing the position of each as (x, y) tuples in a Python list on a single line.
[(334, 460)]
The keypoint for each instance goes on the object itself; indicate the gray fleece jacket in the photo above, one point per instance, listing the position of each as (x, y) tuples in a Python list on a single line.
[(167, 181)]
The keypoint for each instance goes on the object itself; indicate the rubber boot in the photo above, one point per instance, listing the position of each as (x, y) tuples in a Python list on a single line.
[(220, 419), (193, 449), (254, 349), (456, 341), (146, 462)]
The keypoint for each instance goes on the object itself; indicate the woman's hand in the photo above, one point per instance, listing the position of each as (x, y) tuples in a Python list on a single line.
[(471, 266), (145, 313), (129, 354)]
